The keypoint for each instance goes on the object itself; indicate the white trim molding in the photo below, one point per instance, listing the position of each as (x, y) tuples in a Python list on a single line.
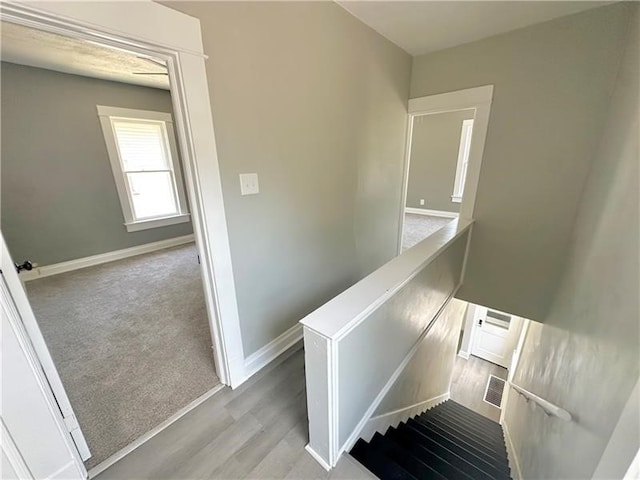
[(179, 44), (380, 423), (157, 222), (431, 213), (477, 99), (272, 350), (78, 263), (514, 462), (13, 455), (317, 457)]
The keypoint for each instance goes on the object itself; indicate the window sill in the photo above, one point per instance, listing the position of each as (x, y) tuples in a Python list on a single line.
[(157, 222), (455, 199)]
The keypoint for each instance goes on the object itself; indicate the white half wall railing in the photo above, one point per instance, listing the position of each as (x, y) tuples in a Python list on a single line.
[(355, 344), (548, 407)]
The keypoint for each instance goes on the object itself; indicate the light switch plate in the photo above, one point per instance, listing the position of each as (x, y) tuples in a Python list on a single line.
[(249, 184)]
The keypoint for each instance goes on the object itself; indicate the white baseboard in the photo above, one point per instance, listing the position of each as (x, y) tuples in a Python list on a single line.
[(272, 350), (381, 423), (431, 213), (464, 354), (102, 466), (317, 457), (78, 263), (516, 473)]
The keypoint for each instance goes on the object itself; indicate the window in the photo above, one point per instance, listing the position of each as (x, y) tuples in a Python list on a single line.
[(144, 160), (463, 160)]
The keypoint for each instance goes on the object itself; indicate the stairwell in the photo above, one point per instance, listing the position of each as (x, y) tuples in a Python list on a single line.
[(449, 441)]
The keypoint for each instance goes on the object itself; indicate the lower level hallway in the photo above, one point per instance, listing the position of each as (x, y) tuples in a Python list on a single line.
[(257, 431), (469, 384), (418, 227), (131, 341)]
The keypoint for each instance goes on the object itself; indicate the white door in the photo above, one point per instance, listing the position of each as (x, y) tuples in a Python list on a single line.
[(35, 338), (495, 336)]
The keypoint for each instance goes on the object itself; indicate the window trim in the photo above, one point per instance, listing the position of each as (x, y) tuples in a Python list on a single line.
[(463, 160), (106, 114)]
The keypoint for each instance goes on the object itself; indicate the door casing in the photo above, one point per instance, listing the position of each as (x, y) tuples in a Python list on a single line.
[(133, 26)]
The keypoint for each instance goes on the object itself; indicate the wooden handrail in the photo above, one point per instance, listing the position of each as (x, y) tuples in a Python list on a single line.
[(548, 407)]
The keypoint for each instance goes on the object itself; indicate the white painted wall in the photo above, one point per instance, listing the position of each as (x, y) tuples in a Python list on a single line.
[(585, 357)]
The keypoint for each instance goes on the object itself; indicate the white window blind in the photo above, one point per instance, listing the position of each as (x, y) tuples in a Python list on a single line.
[(147, 167)]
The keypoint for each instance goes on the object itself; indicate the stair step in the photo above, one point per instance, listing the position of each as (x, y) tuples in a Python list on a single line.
[(455, 423), (450, 405), (377, 463), (430, 451), (456, 433), (473, 419), (458, 446), (406, 459)]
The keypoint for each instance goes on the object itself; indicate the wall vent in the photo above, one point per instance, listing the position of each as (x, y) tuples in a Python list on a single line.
[(493, 393)]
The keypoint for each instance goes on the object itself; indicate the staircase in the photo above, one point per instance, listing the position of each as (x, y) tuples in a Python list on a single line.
[(448, 441)]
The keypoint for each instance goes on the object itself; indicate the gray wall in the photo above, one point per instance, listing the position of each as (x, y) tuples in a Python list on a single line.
[(552, 85), (585, 358), (434, 157), (315, 103), (428, 374), (59, 200)]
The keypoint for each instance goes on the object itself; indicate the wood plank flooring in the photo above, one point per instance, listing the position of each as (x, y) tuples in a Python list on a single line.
[(256, 431), (469, 382)]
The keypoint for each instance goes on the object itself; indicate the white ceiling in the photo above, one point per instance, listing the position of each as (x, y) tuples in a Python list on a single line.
[(36, 48), (420, 27)]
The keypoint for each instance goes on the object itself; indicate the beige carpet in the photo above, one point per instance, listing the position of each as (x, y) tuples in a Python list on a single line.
[(131, 342), (418, 227)]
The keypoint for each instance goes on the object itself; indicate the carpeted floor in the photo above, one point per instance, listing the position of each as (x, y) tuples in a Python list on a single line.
[(131, 341), (419, 227)]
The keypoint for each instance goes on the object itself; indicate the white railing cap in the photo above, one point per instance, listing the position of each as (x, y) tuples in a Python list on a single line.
[(345, 311)]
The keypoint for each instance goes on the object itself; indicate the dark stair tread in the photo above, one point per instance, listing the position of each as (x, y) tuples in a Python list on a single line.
[(457, 445), (455, 433), (450, 405), (406, 459), (450, 408), (414, 441), (449, 422), (425, 437), (377, 463)]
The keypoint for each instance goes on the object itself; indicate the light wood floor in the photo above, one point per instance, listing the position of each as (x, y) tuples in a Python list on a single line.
[(469, 383), (256, 431)]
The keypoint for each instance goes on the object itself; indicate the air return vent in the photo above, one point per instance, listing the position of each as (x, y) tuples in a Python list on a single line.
[(493, 394)]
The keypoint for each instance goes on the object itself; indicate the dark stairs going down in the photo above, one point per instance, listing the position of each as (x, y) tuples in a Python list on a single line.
[(448, 441)]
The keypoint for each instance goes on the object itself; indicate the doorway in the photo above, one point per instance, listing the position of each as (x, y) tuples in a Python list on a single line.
[(219, 302), (443, 155), (488, 348), (108, 259)]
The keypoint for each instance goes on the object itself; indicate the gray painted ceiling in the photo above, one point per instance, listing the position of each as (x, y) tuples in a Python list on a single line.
[(420, 27), (37, 48)]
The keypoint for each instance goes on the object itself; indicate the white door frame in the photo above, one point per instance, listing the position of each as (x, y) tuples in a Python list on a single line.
[(149, 28), (477, 99)]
